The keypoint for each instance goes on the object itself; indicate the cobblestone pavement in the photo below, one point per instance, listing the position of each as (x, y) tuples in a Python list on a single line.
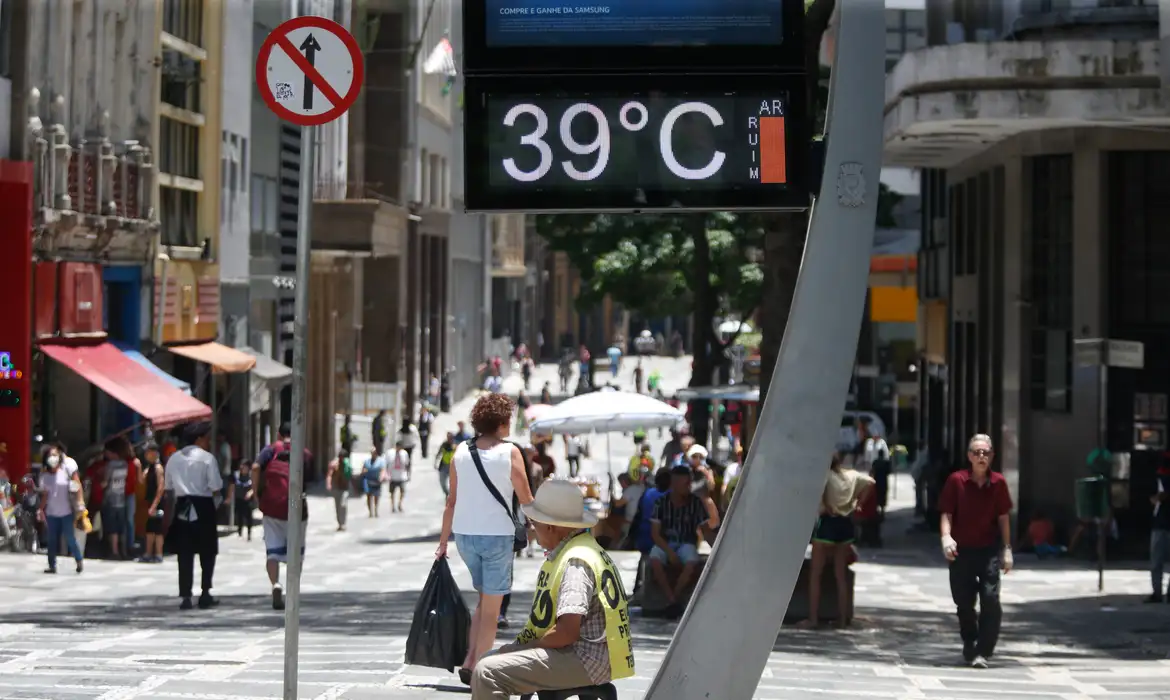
[(116, 633)]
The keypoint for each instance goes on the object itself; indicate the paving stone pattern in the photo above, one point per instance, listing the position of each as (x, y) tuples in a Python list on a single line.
[(115, 632)]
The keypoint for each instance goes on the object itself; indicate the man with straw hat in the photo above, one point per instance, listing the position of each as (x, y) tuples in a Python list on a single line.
[(578, 632)]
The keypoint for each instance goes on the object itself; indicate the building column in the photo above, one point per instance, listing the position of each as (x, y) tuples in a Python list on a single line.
[(444, 305), (437, 317), (427, 310), (1016, 210), (410, 326), (1089, 260)]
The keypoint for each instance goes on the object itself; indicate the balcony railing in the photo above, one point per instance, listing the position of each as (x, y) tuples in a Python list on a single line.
[(94, 178)]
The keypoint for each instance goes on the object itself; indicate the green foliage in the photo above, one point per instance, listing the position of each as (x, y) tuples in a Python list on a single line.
[(647, 263), (887, 200)]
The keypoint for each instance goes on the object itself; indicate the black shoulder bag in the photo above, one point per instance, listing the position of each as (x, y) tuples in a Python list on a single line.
[(521, 534)]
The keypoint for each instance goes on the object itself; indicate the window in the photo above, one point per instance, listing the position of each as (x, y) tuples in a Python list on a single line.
[(445, 184), (183, 19), (243, 164), (1051, 282), (271, 205), (1139, 206), (179, 216), (435, 188), (178, 148), (257, 203), (265, 204), (424, 177), (181, 78)]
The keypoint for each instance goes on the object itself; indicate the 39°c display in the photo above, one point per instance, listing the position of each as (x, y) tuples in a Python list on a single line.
[(651, 151)]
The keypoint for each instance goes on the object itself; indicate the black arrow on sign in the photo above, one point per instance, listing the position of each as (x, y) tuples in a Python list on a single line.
[(310, 47)]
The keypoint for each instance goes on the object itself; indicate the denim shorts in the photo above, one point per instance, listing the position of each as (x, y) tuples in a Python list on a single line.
[(489, 559), (687, 553)]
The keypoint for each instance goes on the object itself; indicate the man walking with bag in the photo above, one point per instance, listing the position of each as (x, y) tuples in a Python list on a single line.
[(270, 474), (975, 526)]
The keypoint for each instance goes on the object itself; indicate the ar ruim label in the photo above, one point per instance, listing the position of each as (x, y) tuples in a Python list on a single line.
[(766, 138)]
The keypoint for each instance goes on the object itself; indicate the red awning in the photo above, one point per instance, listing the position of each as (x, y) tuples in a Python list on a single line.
[(129, 383)]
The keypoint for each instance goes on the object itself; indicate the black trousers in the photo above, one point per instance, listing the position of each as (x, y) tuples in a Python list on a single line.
[(975, 575), (199, 537), (423, 443)]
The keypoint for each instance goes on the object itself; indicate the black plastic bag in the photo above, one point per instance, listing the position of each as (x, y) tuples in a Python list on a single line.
[(438, 633)]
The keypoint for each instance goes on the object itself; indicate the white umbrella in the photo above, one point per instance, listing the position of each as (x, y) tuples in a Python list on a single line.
[(729, 327), (607, 411)]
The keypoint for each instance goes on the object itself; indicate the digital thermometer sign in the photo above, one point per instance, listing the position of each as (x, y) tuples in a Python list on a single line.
[(635, 150)]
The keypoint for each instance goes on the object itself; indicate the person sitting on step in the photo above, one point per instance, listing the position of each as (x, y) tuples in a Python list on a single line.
[(578, 633)]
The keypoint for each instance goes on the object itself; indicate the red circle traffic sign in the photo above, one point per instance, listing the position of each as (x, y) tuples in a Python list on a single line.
[(278, 38)]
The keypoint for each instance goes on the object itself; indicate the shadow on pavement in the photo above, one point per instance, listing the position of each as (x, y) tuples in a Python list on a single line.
[(1055, 631)]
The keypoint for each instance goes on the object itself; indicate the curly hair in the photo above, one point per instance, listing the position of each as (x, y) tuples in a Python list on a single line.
[(490, 412)]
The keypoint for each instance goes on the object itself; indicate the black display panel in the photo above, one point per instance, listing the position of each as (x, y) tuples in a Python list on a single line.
[(615, 144), (534, 36), (644, 23)]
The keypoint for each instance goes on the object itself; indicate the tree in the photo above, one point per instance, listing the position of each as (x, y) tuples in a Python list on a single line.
[(785, 237), (667, 264)]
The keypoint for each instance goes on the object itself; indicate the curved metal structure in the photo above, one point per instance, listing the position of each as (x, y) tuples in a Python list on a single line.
[(721, 647)]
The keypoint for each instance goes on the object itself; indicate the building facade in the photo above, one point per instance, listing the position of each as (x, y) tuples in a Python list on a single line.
[(76, 111), (1042, 128)]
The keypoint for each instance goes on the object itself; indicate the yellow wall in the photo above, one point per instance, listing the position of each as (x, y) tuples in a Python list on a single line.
[(192, 300), (893, 304)]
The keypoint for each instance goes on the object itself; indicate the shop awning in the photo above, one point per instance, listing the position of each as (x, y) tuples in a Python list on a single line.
[(223, 360), (129, 383), (155, 369), (268, 370)]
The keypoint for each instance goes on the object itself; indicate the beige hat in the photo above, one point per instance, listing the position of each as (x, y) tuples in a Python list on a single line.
[(697, 450), (559, 503)]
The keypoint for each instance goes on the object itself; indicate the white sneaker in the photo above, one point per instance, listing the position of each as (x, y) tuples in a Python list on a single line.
[(978, 662)]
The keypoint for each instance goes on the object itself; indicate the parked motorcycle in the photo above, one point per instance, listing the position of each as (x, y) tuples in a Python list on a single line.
[(19, 507)]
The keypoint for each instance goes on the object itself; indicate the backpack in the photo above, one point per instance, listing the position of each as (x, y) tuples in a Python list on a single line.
[(274, 485)]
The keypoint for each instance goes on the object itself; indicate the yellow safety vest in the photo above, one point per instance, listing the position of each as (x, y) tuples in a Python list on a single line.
[(611, 592)]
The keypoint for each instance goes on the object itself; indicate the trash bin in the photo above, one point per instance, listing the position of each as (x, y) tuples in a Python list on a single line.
[(1092, 498)]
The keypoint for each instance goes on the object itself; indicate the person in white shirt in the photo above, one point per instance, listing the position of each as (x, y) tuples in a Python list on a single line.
[(408, 440), (399, 468), (59, 486), (487, 487), (193, 480), (877, 456), (573, 454)]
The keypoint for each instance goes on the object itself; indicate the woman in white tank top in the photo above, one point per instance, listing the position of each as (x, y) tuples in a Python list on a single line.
[(484, 529)]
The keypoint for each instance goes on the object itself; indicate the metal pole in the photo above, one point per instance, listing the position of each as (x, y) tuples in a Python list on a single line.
[(784, 475), (296, 476), (1102, 443)]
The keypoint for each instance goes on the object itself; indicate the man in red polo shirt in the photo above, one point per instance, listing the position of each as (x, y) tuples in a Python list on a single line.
[(976, 539)]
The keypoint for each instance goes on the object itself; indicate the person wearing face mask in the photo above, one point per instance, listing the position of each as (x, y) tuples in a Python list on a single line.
[(60, 486)]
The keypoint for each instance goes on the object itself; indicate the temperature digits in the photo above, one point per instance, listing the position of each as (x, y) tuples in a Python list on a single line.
[(633, 117)]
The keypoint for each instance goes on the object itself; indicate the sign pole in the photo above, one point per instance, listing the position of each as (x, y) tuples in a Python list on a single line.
[(761, 545), (296, 477), (309, 71)]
